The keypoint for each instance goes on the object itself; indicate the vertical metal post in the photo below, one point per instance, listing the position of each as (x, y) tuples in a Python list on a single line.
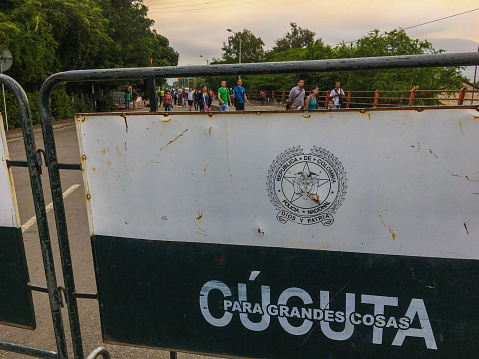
[(173, 355), (5, 102), (376, 99), (473, 88), (239, 77), (152, 94), (40, 211), (462, 94), (60, 217), (412, 97)]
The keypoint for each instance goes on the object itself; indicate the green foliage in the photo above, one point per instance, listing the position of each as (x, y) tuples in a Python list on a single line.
[(61, 107), (392, 43), (296, 39), (49, 36), (251, 48)]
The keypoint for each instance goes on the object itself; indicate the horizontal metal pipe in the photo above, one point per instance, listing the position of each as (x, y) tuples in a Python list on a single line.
[(37, 288), (86, 295), (69, 166), (21, 349), (12, 163), (354, 64)]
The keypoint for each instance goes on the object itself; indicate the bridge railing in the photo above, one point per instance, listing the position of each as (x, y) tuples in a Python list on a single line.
[(383, 98)]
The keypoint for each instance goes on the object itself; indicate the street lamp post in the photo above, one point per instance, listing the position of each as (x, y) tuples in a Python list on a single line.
[(207, 61), (239, 55)]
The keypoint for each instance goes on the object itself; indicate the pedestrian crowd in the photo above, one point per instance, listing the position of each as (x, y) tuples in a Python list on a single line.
[(202, 99)]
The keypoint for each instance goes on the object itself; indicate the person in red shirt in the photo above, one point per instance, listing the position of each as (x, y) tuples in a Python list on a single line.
[(167, 101), (184, 95)]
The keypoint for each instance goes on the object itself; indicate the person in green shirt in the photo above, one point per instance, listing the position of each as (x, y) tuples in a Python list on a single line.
[(224, 97)]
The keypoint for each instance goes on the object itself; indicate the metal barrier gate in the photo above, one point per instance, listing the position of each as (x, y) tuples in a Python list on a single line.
[(267, 292), (16, 304)]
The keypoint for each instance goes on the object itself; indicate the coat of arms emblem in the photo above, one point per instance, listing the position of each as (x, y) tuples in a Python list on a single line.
[(306, 188)]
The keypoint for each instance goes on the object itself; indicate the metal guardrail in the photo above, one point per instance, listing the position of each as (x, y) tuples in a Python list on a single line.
[(152, 73), (33, 164)]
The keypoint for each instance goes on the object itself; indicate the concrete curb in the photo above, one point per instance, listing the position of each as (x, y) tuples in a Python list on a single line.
[(17, 132)]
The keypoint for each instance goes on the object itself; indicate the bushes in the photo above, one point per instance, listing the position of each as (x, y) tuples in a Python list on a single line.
[(60, 105)]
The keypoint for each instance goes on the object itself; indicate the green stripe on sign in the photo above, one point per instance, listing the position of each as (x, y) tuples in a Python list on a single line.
[(16, 303)]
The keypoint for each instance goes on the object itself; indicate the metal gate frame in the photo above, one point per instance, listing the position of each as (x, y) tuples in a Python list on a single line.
[(152, 73), (34, 163)]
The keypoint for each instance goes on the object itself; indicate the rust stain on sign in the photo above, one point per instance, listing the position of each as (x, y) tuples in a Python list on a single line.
[(460, 125), (126, 122), (390, 230), (418, 147), (466, 229), (315, 198)]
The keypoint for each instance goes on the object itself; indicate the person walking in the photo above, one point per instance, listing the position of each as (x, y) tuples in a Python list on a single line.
[(262, 97), (337, 95), (127, 98), (224, 97), (167, 101), (178, 97), (184, 96), (240, 96), (191, 98), (297, 94), (197, 94), (204, 100), (162, 95), (311, 102), (134, 97)]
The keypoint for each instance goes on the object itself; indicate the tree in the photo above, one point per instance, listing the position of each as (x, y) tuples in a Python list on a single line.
[(296, 39), (48, 36), (393, 43), (251, 48)]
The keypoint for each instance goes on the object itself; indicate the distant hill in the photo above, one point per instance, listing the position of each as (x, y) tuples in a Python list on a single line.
[(457, 45)]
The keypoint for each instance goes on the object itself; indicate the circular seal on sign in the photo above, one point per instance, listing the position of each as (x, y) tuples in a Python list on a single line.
[(306, 188)]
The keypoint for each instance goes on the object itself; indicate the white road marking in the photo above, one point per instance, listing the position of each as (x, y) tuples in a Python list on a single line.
[(33, 220)]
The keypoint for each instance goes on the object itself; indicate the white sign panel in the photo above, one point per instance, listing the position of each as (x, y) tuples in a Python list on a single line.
[(8, 207), (400, 182)]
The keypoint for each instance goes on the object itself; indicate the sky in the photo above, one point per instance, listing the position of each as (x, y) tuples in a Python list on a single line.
[(198, 27)]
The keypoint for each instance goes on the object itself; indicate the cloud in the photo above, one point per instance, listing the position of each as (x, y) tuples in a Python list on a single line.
[(198, 27)]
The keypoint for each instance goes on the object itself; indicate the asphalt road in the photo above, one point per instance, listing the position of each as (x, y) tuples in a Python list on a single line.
[(75, 206)]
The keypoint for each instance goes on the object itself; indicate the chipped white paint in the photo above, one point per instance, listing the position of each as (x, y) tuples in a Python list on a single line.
[(8, 205), (411, 179)]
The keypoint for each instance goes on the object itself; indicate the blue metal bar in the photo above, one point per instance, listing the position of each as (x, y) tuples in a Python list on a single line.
[(40, 212)]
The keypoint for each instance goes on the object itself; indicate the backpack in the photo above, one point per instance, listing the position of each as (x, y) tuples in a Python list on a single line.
[(340, 97)]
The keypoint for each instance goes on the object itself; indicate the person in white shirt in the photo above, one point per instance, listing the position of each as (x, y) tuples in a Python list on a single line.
[(191, 98), (337, 95)]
